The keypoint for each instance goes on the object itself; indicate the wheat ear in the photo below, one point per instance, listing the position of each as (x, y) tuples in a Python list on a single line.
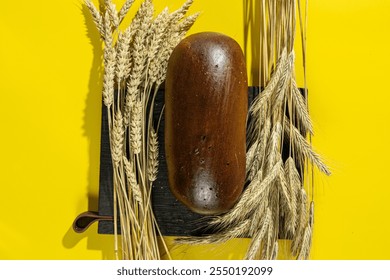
[(221, 237), (258, 104), (306, 244), (178, 15), (294, 184), (260, 157), (273, 148), (158, 30), (111, 8), (157, 47), (96, 16), (146, 9), (304, 147), (136, 127), (117, 137), (307, 236), (301, 108), (124, 10), (255, 244), (109, 65), (132, 180), (275, 252), (176, 34), (187, 23), (250, 155), (249, 199), (153, 156), (279, 93), (302, 221), (127, 57), (123, 55), (109, 76), (143, 15), (285, 191)]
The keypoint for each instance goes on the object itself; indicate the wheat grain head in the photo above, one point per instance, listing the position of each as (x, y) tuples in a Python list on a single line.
[(117, 138), (304, 148), (96, 16), (257, 238), (132, 180), (136, 127), (153, 156), (124, 10)]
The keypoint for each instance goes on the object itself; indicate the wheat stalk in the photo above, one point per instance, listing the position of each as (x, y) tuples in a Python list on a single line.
[(153, 156), (279, 93), (174, 36), (249, 199), (250, 155), (158, 30), (127, 89), (274, 146), (123, 55), (186, 24), (135, 127), (96, 16), (302, 221), (109, 65), (260, 154), (220, 237), (306, 244), (124, 10), (274, 201), (301, 108), (255, 244), (180, 13), (260, 101), (142, 14), (304, 148), (138, 29), (270, 240), (111, 9), (294, 183), (132, 180), (117, 138), (109, 76), (285, 191), (258, 216), (158, 46)]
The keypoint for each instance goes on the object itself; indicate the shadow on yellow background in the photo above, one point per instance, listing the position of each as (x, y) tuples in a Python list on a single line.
[(50, 84)]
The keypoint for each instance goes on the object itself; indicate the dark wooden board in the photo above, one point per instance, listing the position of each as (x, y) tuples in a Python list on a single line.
[(173, 217)]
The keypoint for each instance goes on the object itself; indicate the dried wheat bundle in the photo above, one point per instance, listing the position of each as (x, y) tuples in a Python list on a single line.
[(135, 62), (274, 203)]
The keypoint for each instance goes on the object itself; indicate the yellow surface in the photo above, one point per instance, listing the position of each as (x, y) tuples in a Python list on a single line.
[(50, 127)]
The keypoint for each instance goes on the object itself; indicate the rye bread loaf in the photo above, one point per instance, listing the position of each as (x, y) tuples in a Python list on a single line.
[(205, 122)]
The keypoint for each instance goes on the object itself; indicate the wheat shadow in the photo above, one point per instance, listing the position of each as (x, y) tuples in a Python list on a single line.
[(91, 130)]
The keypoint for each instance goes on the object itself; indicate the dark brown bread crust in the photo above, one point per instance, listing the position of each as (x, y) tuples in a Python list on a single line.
[(205, 122)]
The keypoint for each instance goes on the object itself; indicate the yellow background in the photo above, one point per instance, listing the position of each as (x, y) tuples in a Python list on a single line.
[(50, 126)]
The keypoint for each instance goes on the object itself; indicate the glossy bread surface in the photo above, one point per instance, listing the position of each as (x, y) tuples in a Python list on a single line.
[(205, 122)]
